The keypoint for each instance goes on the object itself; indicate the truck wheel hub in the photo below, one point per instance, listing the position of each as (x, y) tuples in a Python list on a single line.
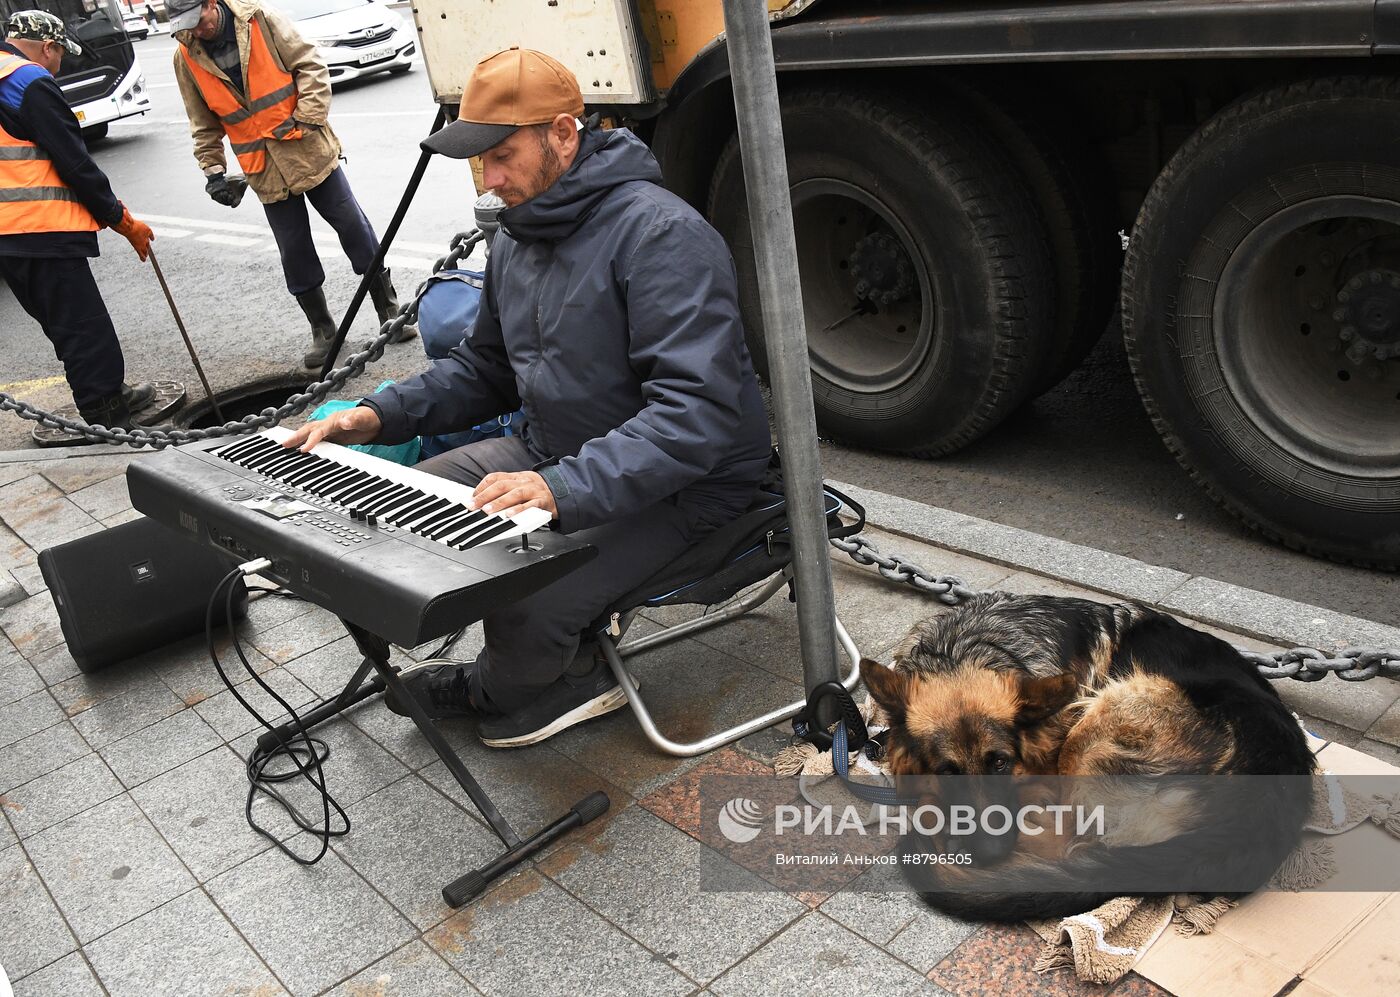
[(882, 270), (1369, 313)]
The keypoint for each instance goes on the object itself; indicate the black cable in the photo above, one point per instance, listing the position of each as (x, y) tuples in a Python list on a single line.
[(447, 644), (315, 750)]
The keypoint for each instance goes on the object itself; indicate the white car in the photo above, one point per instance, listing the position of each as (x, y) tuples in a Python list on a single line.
[(355, 37), (136, 25)]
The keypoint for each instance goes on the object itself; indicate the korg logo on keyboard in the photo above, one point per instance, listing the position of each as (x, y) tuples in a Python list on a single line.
[(189, 522)]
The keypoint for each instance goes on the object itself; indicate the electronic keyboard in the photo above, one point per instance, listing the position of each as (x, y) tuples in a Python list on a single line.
[(395, 550)]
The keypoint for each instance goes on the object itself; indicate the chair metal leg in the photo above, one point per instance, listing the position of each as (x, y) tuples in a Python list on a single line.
[(727, 612), (686, 750)]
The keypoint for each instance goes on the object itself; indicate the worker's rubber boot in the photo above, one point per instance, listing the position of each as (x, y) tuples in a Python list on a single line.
[(138, 396), (111, 412), (386, 305), (313, 303)]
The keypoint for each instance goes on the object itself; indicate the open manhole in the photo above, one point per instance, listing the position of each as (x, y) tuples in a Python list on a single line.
[(243, 400)]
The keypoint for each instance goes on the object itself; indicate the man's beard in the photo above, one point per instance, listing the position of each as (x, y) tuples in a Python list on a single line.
[(549, 171)]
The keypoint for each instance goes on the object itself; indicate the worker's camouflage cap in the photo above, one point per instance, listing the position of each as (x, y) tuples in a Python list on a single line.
[(40, 26)]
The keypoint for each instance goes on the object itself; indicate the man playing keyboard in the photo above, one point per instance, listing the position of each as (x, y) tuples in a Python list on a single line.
[(610, 315)]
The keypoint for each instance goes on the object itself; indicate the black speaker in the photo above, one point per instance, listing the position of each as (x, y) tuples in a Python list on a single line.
[(132, 588)]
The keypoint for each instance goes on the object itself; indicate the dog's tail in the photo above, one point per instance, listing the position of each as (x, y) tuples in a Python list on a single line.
[(1231, 853)]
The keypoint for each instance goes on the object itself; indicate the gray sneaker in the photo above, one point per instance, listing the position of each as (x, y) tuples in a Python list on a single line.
[(570, 700)]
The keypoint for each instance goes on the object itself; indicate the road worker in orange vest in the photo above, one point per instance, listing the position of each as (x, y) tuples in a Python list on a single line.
[(245, 73), (53, 200)]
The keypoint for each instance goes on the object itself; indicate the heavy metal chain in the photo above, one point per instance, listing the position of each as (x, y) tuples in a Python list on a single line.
[(159, 439), (1304, 664)]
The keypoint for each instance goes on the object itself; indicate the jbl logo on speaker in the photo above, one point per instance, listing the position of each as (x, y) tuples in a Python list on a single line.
[(143, 571)]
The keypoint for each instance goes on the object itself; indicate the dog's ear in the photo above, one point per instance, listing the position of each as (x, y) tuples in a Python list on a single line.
[(889, 688), (1042, 698)]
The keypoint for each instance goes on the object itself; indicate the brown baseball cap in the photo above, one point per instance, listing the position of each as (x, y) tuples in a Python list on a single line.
[(506, 91)]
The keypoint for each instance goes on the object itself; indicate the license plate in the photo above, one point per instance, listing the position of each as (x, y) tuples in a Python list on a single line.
[(81, 115), (374, 55)]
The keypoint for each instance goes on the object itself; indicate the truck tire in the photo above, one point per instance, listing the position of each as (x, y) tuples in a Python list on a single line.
[(1261, 312), (1070, 193), (95, 133), (925, 275)]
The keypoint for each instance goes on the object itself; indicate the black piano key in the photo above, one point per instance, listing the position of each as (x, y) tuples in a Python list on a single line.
[(353, 493), (378, 488), (503, 526), (334, 491), (392, 497), (450, 527), (438, 518), (274, 466), (295, 475), (254, 461), (235, 450), (319, 471), (466, 530), (419, 511), (414, 508), (412, 496), (338, 475)]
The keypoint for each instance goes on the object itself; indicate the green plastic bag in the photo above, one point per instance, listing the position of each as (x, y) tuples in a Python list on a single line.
[(402, 453)]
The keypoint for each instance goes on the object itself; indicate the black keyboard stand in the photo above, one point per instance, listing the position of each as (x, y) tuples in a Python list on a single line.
[(360, 687)]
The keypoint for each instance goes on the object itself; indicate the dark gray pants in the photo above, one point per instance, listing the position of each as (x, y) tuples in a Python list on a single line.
[(531, 643), (291, 228)]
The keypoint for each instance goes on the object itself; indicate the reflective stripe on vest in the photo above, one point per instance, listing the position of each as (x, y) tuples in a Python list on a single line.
[(272, 99), (33, 197)]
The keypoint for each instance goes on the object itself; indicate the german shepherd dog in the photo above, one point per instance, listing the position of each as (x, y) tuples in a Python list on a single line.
[(1011, 685)]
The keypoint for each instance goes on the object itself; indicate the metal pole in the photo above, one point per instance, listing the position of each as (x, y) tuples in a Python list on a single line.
[(785, 332), (189, 345)]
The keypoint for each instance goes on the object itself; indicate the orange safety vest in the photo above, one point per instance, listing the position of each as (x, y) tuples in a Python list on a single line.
[(270, 103), (33, 197)]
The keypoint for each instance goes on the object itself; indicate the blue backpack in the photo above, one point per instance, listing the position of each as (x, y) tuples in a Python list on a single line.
[(446, 310)]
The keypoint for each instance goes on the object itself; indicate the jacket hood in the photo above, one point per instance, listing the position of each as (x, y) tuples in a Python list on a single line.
[(605, 160)]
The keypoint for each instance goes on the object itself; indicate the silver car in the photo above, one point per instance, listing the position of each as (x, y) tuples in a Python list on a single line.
[(355, 37)]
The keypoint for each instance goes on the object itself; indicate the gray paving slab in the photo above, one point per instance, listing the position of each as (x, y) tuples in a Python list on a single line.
[(326, 669), (466, 648), (402, 739), (40, 514), (691, 691), (86, 689), (879, 907), (644, 875), (76, 473), (818, 956), (164, 745), (276, 903), (147, 701), (186, 669), (531, 786), (32, 624), (1386, 727), (68, 977), (104, 499), (409, 841), (107, 866), (1356, 705), (14, 552), (17, 677), (184, 947), (230, 720), (32, 931), (11, 591), (27, 716), (985, 540), (39, 753), (60, 794), (1270, 617), (55, 664), (30, 577), (13, 472), (7, 833), (199, 809), (298, 636), (413, 971), (125, 516), (267, 611), (494, 943)]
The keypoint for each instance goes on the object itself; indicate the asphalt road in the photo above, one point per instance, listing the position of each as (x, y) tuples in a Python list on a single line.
[(1082, 463)]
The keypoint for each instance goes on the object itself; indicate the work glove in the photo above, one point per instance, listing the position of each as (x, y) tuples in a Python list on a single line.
[(137, 233), (219, 189)]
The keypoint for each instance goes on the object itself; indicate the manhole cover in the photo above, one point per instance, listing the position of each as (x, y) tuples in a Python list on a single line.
[(244, 400)]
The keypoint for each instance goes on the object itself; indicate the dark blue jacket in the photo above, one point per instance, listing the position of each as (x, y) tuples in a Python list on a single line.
[(32, 108), (610, 313)]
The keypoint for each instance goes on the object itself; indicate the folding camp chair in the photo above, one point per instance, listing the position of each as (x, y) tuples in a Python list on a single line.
[(756, 546)]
